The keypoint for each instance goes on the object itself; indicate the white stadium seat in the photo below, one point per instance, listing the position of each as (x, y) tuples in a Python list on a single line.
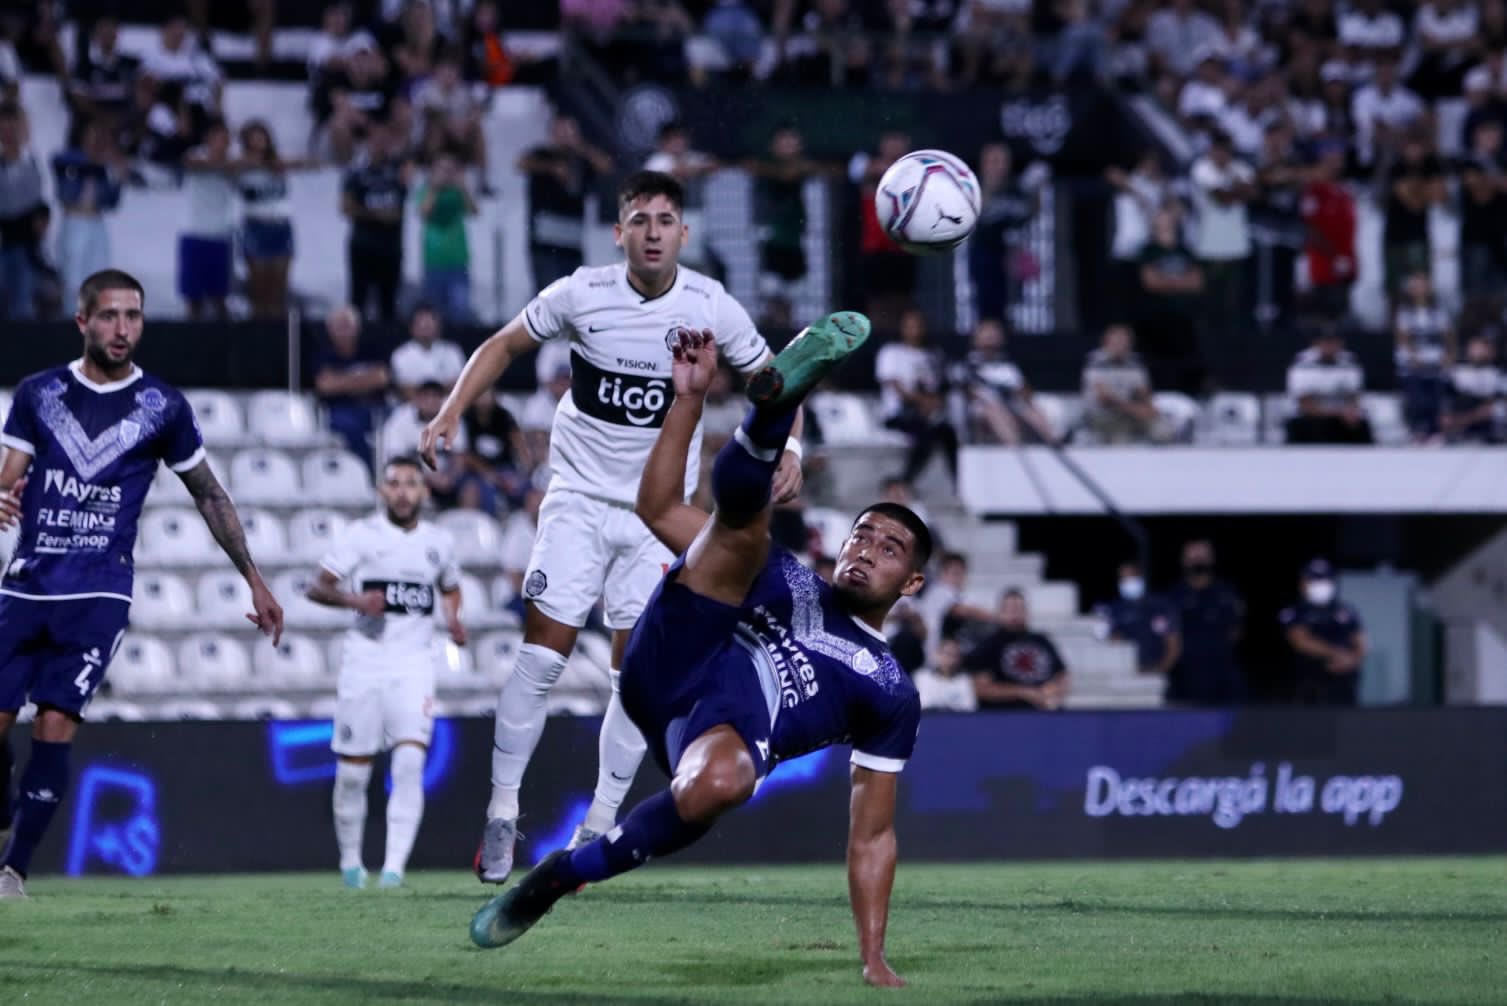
[(1232, 419), (142, 666), (478, 537), (323, 708), (298, 610), (594, 648), (220, 419), (262, 475), (294, 663), (501, 595), (333, 651), (161, 601), (336, 476), (223, 600), (175, 536), (214, 662), (189, 709), (1061, 412), (1387, 421), (1178, 411), (845, 419), (311, 533), (168, 489), (114, 711), (266, 538), (495, 653), (264, 708), (476, 609), (283, 419), (457, 666)]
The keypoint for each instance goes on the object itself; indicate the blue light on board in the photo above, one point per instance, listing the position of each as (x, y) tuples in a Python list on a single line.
[(300, 753), (798, 773), (559, 837), (129, 845)]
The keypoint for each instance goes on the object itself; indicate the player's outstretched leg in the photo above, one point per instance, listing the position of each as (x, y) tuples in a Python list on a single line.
[(808, 358), (405, 809), (349, 806), (43, 784)]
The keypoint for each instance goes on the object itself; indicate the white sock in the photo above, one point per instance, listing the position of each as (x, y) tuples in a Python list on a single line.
[(520, 721), (405, 805), (350, 810), (620, 748)]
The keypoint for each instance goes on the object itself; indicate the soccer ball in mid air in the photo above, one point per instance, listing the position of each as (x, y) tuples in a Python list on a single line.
[(928, 202)]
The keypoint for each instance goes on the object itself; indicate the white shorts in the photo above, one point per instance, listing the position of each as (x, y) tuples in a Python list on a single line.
[(587, 550), (375, 712)]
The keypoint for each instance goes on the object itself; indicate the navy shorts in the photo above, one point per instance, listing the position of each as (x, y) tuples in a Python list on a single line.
[(684, 673), (266, 239), (55, 652), (203, 268)]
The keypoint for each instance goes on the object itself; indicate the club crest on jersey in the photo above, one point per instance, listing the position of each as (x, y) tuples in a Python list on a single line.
[(672, 337), (536, 584), (130, 432), (865, 663), (433, 555), (152, 400)]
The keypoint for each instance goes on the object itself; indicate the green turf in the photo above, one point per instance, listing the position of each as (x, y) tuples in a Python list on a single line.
[(1356, 931)]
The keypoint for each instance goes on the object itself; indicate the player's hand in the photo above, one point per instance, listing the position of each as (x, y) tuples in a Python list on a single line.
[(457, 632), (439, 435), (695, 362), (371, 603), (10, 505), (879, 974), (266, 614), (788, 478)]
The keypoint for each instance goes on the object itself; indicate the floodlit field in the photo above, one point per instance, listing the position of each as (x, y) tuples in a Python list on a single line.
[(1346, 931)]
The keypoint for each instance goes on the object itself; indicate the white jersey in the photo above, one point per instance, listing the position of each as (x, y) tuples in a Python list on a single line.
[(410, 568), (620, 383)]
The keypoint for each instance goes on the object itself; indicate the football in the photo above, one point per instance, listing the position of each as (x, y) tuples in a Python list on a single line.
[(928, 202)]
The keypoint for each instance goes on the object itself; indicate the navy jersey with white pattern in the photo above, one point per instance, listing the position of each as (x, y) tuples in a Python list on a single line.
[(94, 450), (838, 682)]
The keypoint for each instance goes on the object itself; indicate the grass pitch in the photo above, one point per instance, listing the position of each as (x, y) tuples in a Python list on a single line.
[(1346, 931)]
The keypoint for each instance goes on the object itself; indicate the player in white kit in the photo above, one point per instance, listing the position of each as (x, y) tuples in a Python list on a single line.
[(396, 567), (618, 320)]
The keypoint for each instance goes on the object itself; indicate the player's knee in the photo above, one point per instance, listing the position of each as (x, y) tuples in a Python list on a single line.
[(717, 786), (54, 726)]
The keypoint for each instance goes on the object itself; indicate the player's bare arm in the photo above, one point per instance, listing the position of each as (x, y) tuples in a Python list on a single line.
[(12, 485), (872, 852), (660, 505), (482, 371), (326, 590), (224, 523), (451, 601)]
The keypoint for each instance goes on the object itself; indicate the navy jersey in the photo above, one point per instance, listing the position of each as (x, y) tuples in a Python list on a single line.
[(1146, 622), (1337, 624), (94, 450), (835, 677)]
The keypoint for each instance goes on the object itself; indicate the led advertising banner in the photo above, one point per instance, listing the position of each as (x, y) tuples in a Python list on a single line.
[(219, 797)]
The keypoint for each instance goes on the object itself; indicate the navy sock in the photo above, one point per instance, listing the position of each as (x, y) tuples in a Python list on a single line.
[(744, 468), (7, 762), (43, 785), (653, 828)]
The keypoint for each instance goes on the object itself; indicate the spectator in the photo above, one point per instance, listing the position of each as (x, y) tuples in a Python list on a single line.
[(997, 392), (779, 187), (737, 29), (893, 489), (1222, 186), (1329, 213), (450, 116), (34, 37), (538, 415), (331, 50), (1172, 280), (10, 69), (418, 47), (1211, 616), (1015, 668), (910, 388), (444, 204), (998, 261), (1204, 99), (942, 684), (204, 247), (1485, 87), (248, 17), (189, 80), (1425, 335), (560, 176), (425, 358), (1147, 621), (87, 177), (518, 533), (1415, 185), (1327, 639), (350, 378), (1177, 34), (362, 94), (945, 612), (498, 462), (1117, 404), (654, 48), (1137, 196), (887, 273), (675, 156), (904, 631), (1277, 229), (1483, 213), (1369, 32), (372, 198), (1476, 405), (20, 201), (400, 435), (1082, 45), (1324, 385), (101, 84), (267, 228), (1445, 33), (488, 58), (1383, 112)]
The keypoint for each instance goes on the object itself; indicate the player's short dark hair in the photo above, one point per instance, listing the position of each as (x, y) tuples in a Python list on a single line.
[(648, 184), (906, 517), (404, 461), (106, 279), (438, 387), (1012, 592)]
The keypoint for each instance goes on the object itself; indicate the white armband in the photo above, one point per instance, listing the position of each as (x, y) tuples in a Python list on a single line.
[(793, 446)]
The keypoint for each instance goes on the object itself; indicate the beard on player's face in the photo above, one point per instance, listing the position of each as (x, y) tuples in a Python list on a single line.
[(402, 511), (109, 352)]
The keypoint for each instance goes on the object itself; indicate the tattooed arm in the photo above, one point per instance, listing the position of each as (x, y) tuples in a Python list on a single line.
[(225, 524)]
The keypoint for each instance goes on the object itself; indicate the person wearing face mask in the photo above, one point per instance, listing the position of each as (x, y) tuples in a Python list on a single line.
[(1146, 620), (1327, 638), (1211, 616)]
